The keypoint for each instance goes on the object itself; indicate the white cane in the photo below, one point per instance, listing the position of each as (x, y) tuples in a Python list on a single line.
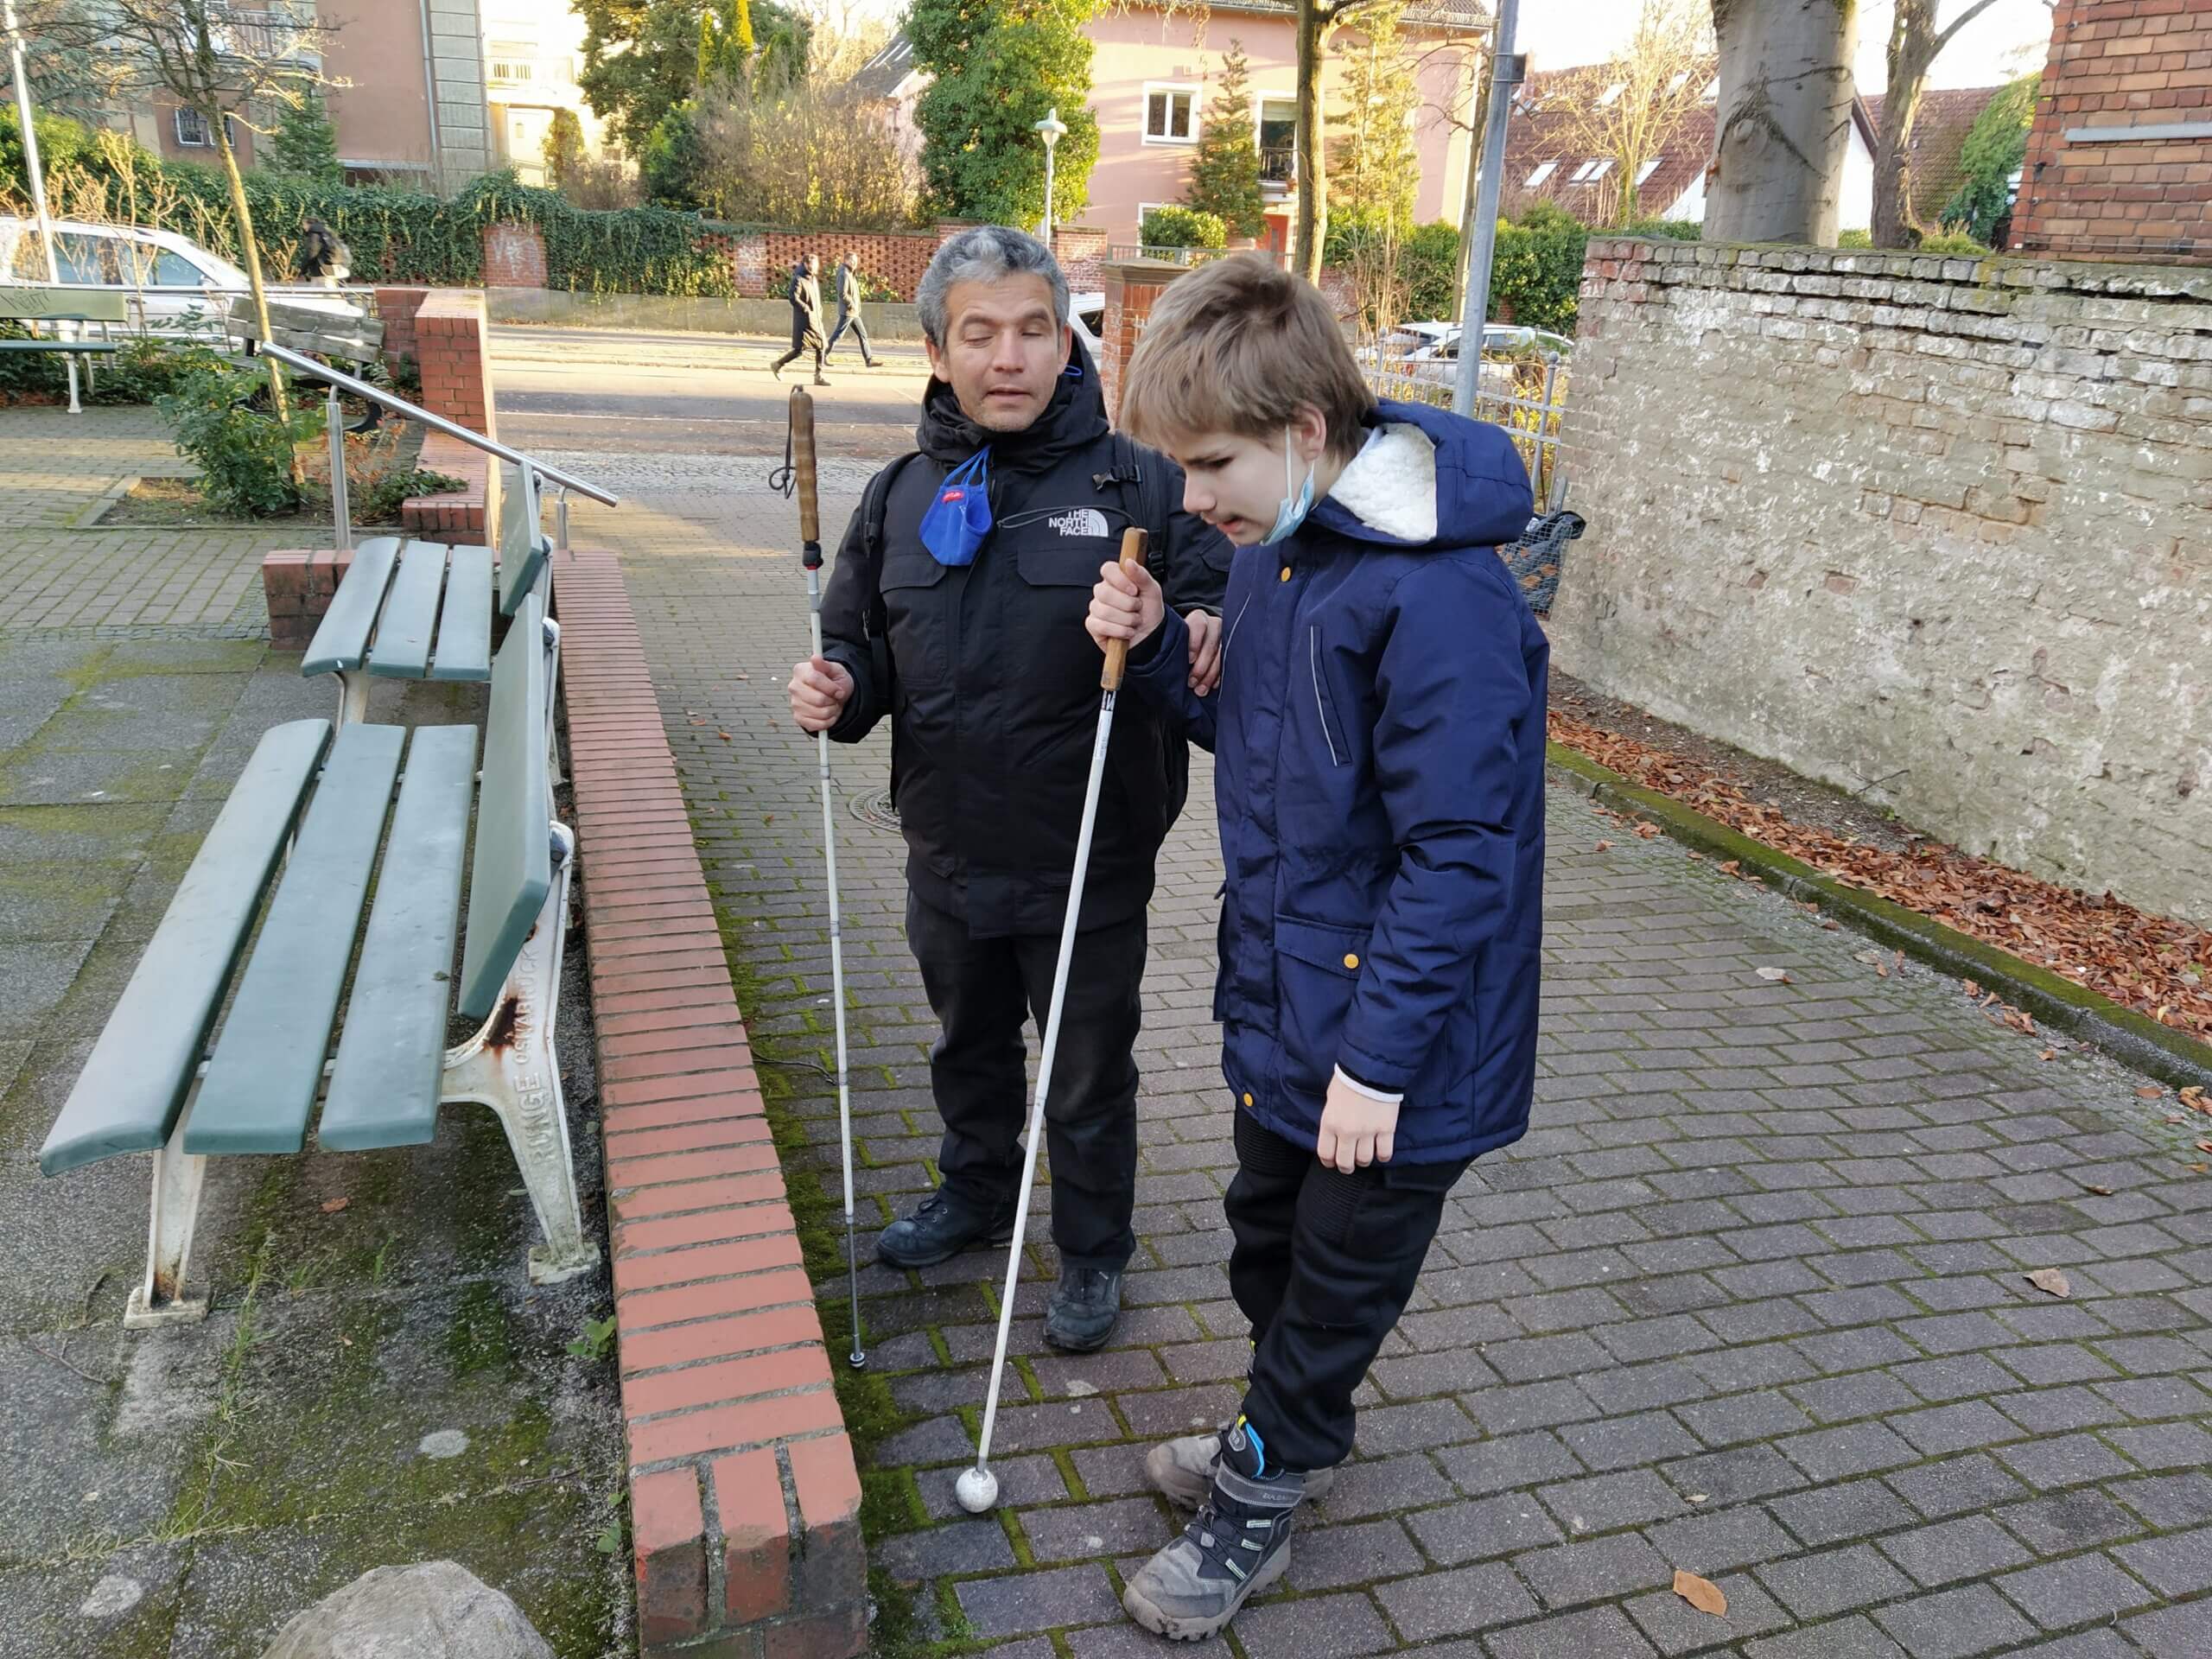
[(977, 1489), (810, 532)]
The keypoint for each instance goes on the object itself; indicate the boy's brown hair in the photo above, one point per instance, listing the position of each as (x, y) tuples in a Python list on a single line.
[(1240, 345)]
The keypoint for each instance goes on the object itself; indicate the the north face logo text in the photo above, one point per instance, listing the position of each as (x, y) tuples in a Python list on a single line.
[(1080, 521)]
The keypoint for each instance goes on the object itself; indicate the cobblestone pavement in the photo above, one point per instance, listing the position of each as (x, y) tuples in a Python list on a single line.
[(1749, 1300), (54, 466)]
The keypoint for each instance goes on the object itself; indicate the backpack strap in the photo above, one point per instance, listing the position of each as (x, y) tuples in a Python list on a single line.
[(1144, 497), (875, 506)]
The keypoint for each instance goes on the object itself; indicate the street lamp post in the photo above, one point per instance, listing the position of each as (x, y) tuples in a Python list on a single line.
[(37, 174), (1052, 128)]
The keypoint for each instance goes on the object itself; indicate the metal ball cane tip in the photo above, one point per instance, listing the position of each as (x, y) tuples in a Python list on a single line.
[(977, 1489), (857, 1360)]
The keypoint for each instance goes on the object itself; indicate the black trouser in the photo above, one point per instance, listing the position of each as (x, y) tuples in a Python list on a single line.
[(850, 319), (1323, 1265), (982, 990), (800, 345)]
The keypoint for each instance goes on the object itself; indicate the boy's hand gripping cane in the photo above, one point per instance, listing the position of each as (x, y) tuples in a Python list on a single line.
[(810, 533), (977, 1489)]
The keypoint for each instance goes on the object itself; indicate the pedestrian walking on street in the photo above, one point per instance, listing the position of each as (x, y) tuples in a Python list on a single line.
[(849, 310), (1378, 739), (956, 609), (806, 319)]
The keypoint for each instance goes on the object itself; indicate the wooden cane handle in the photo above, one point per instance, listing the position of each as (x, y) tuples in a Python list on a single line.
[(809, 512), (1118, 650)]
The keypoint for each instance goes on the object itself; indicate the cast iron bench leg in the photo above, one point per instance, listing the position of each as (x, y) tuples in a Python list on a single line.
[(163, 1297), (510, 1066)]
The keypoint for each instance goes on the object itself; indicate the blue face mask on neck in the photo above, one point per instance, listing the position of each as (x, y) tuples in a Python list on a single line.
[(955, 524), (1297, 499)]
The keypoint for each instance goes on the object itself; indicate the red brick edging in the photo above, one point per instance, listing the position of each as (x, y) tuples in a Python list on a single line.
[(744, 1497)]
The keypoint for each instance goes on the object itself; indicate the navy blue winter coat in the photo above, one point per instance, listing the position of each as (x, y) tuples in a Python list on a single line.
[(1379, 744)]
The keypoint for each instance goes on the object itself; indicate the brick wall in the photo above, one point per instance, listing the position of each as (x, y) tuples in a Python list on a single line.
[(514, 256), (455, 352), (1131, 286), (2116, 66), (1081, 251), (1939, 530), (744, 1497), (759, 258), (395, 309)]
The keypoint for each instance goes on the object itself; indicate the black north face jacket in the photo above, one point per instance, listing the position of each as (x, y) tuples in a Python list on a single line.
[(988, 678)]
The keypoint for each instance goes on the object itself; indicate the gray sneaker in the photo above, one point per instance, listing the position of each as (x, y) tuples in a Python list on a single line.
[(1236, 1545), (1182, 1471)]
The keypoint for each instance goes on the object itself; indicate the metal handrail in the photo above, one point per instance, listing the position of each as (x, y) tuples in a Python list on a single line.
[(344, 382)]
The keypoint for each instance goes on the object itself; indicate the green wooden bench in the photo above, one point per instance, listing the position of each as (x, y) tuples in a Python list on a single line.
[(33, 304), (421, 610), (267, 921)]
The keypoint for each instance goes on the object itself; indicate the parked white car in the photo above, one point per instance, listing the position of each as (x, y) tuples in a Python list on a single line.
[(175, 288)]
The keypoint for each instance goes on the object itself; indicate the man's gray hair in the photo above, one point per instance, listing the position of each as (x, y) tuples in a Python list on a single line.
[(988, 253)]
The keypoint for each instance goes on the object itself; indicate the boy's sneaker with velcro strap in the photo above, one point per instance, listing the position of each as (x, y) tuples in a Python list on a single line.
[(1236, 1545), (1182, 1471)]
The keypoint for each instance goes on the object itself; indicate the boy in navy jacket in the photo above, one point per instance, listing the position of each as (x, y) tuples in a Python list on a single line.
[(1379, 751)]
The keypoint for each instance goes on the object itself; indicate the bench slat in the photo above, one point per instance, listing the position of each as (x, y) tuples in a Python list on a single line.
[(267, 1066), (40, 304), (522, 546), (343, 639), (465, 626), (512, 869), (401, 649), (384, 1091), (129, 1093)]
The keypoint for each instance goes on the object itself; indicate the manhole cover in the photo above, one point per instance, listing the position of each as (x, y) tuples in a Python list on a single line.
[(875, 810)]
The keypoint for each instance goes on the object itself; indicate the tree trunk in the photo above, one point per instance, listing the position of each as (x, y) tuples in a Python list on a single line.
[(1913, 45), (1786, 93), (1312, 145), (1483, 76), (243, 214)]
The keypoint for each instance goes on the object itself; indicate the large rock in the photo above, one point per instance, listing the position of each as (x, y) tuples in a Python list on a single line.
[(433, 1610)]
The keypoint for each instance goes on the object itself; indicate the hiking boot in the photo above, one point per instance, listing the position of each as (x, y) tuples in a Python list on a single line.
[(1084, 1309), (1182, 1471), (1236, 1545), (939, 1230)]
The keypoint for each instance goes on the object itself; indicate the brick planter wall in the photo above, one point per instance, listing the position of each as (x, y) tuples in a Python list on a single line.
[(395, 309), (744, 1497), (1935, 528), (298, 583), (1081, 252), (454, 351), (2117, 65), (1131, 286)]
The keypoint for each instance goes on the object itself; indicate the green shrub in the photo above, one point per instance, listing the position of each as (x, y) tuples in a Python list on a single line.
[(1951, 242), (1183, 227), (1855, 239), (1430, 265), (245, 456), (1537, 268), (379, 500), (1671, 229)]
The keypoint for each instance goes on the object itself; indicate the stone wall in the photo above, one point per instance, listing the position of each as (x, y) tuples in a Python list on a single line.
[(2089, 189), (1935, 530)]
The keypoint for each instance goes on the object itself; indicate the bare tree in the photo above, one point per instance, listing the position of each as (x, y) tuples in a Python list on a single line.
[(1784, 119), (1627, 110), (227, 62), (1915, 40), (1318, 21)]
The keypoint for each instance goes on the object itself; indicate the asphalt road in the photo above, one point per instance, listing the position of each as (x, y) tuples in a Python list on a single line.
[(580, 389)]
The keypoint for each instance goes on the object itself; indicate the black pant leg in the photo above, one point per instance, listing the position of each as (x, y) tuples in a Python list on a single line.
[(1262, 1208), (978, 1067), (1357, 1244), (1091, 1113)]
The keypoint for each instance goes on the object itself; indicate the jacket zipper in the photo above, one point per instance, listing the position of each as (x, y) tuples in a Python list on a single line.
[(1233, 627), (1314, 659)]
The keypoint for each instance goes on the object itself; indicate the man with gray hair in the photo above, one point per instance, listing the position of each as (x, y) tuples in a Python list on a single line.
[(955, 608)]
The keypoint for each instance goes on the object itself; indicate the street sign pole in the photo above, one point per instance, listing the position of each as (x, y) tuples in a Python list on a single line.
[(1507, 71)]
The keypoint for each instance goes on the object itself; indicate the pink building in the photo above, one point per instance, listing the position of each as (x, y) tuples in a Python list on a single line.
[(1153, 71)]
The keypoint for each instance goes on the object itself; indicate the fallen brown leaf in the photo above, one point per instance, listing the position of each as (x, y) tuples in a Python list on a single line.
[(332, 1206), (1971, 988), (1732, 866), (723, 735), (1604, 846), (1702, 1593), (1778, 976), (2048, 1054), (2102, 1191), (2052, 1281), (2204, 1146), (2149, 1091), (1649, 831)]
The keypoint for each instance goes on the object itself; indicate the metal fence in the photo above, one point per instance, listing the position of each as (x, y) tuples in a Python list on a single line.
[(1524, 392), (330, 321)]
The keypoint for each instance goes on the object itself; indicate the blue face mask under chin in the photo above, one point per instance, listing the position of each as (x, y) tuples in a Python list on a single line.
[(1297, 499), (955, 524)]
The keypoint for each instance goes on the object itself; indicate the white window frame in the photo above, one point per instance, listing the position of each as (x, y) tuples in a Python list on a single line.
[(1592, 170), (206, 139), (1144, 207), (1187, 89), (1644, 173), (1259, 102), (1541, 171)]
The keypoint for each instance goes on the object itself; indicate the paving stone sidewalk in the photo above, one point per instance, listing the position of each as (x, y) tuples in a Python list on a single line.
[(1749, 1300)]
